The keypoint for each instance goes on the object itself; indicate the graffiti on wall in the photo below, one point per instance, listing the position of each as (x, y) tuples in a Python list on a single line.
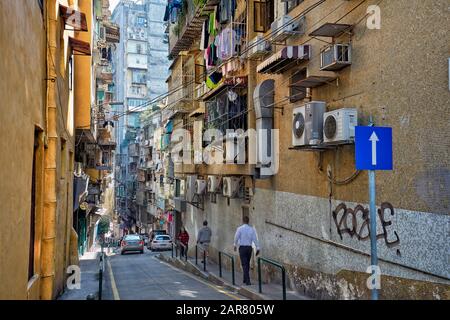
[(356, 222)]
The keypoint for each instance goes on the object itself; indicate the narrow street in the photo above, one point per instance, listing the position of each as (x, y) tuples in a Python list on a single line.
[(144, 277), (282, 149)]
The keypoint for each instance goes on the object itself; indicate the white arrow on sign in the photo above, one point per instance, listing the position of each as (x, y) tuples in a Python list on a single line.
[(374, 139)]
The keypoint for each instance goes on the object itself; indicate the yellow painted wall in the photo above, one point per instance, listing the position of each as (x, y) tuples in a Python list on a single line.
[(35, 50), (22, 89), (82, 73)]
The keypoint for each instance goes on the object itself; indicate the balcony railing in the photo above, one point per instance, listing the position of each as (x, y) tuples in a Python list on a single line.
[(112, 33), (188, 27)]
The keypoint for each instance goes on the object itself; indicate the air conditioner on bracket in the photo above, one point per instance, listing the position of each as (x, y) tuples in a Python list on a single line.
[(231, 187), (307, 124), (335, 57), (257, 47), (200, 186), (339, 125), (285, 26), (190, 187), (213, 184)]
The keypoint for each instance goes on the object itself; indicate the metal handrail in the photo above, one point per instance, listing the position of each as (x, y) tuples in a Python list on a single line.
[(276, 264), (204, 257), (232, 265), (176, 245)]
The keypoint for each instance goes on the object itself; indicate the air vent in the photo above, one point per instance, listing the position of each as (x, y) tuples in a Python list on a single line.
[(298, 126), (330, 127)]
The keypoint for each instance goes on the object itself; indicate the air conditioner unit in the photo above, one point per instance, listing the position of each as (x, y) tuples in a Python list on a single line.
[(200, 186), (307, 124), (190, 187), (78, 169), (231, 187), (335, 57), (257, 47), (284, 27), (213, 184), (339, 125)]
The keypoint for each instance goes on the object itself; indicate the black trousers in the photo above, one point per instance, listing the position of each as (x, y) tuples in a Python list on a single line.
[(245, 253), (183, 252)]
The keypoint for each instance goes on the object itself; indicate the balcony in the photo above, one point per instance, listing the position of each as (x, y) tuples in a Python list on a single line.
[(105, 74), (107, 143), (189, 27), (112, 33), (133, 150)]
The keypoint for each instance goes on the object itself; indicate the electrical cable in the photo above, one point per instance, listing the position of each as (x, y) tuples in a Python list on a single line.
[(300, 15)]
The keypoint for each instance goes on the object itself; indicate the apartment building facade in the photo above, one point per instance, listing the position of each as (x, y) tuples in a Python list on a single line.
[(95, 105), (140, 71), (312, 70)]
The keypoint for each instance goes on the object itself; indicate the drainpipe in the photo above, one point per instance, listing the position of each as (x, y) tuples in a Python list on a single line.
[(50, 178), (267, 158)]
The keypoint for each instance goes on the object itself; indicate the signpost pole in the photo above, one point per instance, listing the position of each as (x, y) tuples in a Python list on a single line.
[(373, 229)]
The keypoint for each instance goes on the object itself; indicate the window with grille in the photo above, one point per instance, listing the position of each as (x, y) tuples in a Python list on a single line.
[(228, 110), (264, 15), (291, 4)]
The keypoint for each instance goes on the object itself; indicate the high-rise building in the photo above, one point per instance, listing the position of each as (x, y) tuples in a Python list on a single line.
[(140, 70)]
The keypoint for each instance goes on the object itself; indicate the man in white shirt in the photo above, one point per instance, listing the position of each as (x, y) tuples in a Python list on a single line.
[(244, 238)]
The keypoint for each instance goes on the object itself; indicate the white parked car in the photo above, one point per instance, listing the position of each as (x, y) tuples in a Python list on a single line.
[(161, 242)]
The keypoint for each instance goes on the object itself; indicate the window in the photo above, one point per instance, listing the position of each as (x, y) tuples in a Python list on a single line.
[(200, 73), (139, 77), (291, 4), (41, 4), (70, 74), (141, 21), (63, 158), (34, 206), (264, 15), (297, 93), (228, 110), (135, 102)]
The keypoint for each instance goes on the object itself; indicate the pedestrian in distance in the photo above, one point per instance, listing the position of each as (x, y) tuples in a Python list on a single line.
[(183, 237), (204, 238), (244, 238)]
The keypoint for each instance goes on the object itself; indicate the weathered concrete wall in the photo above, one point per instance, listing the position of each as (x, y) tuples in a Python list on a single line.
[(399, 75), (301, 232)]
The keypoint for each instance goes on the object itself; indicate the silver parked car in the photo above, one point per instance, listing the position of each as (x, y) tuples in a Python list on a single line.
[(161, 242), (132, 242)]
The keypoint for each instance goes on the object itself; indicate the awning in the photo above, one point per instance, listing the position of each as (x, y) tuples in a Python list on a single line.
[(73, 18), (283, 59), (80, 46), (235, 82), (314, 81), (200, 110), (79, 187), (330, 30)]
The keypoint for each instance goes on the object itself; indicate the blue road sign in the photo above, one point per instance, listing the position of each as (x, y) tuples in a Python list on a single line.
[(373, 148)]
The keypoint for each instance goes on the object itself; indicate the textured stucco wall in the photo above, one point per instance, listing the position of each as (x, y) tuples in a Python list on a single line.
[(26, 106), (22, 108), (399, 75)]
